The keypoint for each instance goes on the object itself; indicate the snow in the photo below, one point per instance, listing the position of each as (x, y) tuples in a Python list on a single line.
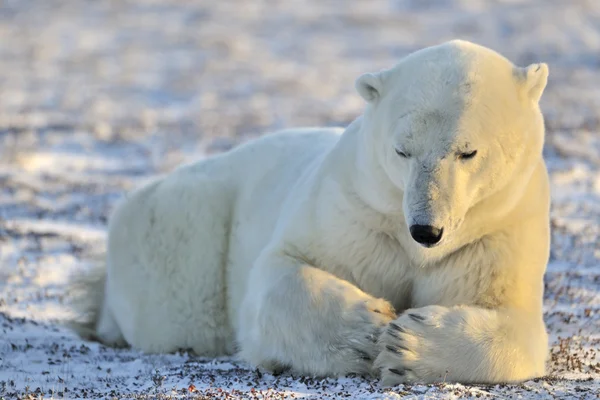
[(99, 96)]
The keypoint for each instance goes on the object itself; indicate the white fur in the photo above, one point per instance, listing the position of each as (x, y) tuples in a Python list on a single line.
[(296, 247)]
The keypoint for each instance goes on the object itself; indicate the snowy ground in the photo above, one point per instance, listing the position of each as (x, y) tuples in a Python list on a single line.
[(96, 96)]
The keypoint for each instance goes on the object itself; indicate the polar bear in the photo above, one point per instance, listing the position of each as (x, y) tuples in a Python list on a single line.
[(410, 245)]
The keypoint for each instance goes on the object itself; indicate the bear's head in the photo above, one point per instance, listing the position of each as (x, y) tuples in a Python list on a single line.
[(448, 127)]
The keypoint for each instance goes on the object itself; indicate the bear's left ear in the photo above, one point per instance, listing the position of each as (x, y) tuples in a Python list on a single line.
[(369, 86), (534, 79)]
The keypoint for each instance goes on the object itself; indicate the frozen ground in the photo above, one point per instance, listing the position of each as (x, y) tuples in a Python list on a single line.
[(96, 96)]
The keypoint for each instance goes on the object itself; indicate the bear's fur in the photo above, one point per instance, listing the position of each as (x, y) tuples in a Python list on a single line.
[(299, 250)]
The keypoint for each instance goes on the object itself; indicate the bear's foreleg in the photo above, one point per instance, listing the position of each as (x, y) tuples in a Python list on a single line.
[(300, 317)]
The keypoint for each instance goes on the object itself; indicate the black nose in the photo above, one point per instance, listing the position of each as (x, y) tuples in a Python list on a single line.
[(427, 235)]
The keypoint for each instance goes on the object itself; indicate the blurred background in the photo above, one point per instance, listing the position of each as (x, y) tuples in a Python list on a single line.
[(95, 96)]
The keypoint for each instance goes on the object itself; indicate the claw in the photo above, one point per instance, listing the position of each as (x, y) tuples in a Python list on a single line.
[(396, 349), (397, 371), (363, 355), (397, 327), (416, 317), (393, 334)]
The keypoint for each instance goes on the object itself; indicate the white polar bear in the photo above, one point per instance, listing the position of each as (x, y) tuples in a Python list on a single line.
[(299, 249)]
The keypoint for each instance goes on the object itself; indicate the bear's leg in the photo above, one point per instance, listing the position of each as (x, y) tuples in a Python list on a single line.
[(167, 254), (298, 316), (107, 329), (463, 344)]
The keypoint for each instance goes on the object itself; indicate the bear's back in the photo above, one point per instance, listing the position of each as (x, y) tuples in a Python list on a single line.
[(274, 159)]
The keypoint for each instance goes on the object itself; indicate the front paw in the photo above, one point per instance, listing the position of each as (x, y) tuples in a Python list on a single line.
[(412, 348), (363, 327)]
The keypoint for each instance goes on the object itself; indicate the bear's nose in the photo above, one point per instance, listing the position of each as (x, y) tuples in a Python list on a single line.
[(426, 235)]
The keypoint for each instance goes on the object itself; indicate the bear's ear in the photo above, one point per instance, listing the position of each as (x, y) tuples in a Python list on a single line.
[(534, 79), (369, 86)]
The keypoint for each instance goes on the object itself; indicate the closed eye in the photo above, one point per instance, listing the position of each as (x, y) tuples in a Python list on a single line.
[(402, 154), (467, 156)]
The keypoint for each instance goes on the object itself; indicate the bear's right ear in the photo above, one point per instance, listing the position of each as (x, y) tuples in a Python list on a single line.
[(369, 86), (534, 79)]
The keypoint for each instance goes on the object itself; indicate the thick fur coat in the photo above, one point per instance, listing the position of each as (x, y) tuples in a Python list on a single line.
[(411, 245)]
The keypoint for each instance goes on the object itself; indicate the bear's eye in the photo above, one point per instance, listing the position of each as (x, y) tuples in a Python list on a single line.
[(402, 154), (467, 156)]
